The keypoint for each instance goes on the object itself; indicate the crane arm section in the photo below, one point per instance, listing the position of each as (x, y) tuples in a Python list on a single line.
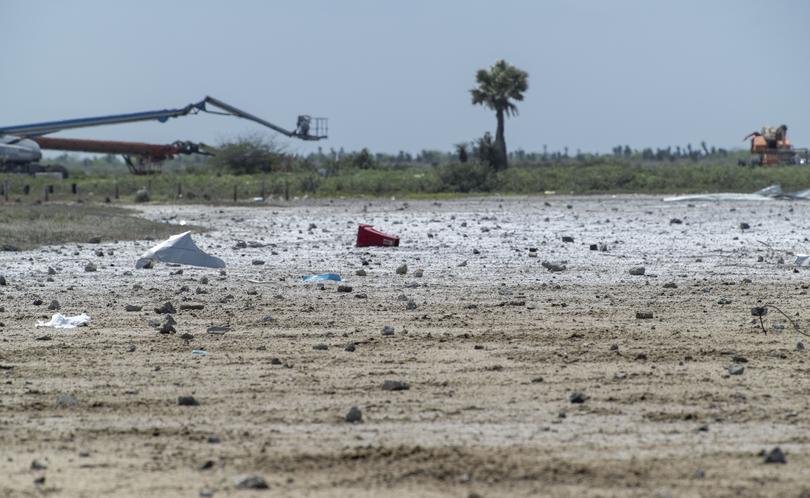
[(302, 130)]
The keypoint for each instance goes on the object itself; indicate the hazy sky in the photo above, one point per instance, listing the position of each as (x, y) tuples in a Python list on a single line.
[(395, 75)]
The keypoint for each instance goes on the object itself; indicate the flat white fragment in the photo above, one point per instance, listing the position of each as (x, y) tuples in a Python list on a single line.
[(182, 250), (60, 321)]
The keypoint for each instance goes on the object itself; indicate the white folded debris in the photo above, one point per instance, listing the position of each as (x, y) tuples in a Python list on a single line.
[(182, 250), (60, 321), (802, 260)]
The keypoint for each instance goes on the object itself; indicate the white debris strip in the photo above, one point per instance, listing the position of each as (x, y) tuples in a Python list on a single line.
[(60, 321)]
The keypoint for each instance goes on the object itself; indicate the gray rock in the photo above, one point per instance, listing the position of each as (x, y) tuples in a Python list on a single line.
[(187, 401), (350, 347), (37, 465), (800, 346), (66, 399), (257, 262), (344, 288), (644, 315), (167, 327), (775, 456), (402, 270), (250, 482), (320, 347), (3, 280), (577, 397), (411, 305), (553, 267), (166, 307), (133, 307), (395, 385), (54, 305), (90, 267), (419, 273), (354, 415), (388, 330), (638, 271), (736, 369)]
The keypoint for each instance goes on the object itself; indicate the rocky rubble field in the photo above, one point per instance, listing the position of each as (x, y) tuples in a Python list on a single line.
[(544, 346)]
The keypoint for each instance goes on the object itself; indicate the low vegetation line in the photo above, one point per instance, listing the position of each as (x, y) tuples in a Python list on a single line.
[(404, 181)]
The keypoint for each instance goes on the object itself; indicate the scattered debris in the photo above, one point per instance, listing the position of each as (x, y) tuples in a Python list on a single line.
[(199, 352), (367, 235), (60, 321), (218, 329), (180, 249), (322, 277)]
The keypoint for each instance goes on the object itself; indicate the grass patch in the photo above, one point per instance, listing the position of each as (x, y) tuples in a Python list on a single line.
[(28, 226)]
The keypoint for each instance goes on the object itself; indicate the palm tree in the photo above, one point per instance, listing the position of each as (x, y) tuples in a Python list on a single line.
[(497, 88)]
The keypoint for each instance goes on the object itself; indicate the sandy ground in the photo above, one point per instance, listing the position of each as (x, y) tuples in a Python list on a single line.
[(492, 353)]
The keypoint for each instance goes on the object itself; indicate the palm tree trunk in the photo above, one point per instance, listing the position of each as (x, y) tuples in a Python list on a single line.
[(500, 143)]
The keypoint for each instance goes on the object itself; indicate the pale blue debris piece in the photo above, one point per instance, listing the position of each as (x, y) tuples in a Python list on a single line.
[(322, 277)]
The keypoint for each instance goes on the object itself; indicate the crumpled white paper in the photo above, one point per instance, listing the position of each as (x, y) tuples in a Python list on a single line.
[(60, 321)]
